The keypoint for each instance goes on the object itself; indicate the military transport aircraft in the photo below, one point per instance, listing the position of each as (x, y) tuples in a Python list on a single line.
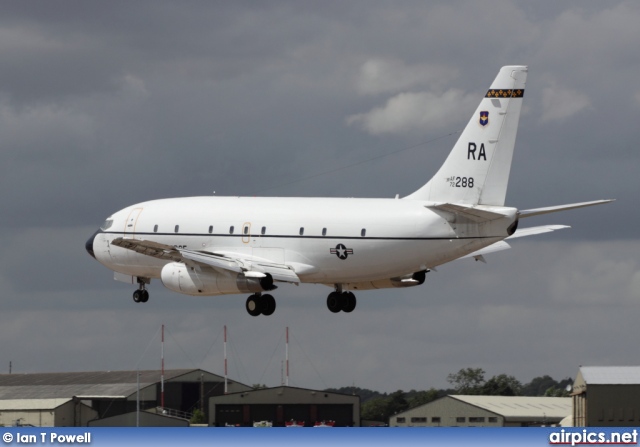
[(206, 246)]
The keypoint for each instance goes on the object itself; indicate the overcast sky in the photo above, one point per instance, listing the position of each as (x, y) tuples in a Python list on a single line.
[(105, 104)]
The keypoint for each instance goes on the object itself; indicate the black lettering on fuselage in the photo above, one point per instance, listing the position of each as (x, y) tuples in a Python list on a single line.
[(471, 152)]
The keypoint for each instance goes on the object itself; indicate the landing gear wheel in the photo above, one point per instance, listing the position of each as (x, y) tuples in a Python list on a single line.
[(334, 302), (253, 305), (141, 295), (349, 302), (268, 305)]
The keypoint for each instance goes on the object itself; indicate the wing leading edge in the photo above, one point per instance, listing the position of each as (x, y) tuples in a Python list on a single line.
[(249, 266)]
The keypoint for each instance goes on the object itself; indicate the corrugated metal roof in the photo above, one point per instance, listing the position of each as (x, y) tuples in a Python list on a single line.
[(521, 406), (65, 385), (611, 375), (31, 404)]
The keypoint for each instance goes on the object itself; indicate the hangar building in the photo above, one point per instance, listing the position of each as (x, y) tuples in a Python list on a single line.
[(485, 411), (606, 396), (82, 398), (281, 404)]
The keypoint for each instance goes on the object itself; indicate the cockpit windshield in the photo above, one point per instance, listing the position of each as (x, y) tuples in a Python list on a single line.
[(106, 225)]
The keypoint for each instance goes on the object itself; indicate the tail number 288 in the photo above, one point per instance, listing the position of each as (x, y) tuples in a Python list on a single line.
[(461, 182)]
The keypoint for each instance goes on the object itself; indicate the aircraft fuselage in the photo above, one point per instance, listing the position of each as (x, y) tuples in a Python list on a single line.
[(323, 240)]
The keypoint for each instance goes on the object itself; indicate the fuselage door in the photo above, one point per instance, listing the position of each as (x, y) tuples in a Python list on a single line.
[(246, 232), (132, 220)]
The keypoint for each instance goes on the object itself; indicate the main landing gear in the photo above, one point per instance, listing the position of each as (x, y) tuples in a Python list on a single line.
[(260, 304), (341, 301), (141, 295)]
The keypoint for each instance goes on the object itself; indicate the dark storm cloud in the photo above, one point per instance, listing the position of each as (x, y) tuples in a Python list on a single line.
[(107, 104)]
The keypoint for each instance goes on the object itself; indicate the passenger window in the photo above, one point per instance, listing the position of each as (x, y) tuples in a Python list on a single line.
[(363, 232), (246, 229), (301, 231), (210, 229), (324, 231), (176, 228), (264, 230), (155, 228), (231, 229)]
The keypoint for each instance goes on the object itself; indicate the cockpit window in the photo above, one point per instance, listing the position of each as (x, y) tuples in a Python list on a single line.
[(106, 225)]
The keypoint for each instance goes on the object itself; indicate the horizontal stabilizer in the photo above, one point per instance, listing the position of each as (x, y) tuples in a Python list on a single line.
[(537, 230), (472, 213), (478, 255), (502, 245), (554, 209)]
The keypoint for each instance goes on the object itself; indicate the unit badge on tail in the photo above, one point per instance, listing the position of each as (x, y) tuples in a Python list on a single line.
[(484, 118)]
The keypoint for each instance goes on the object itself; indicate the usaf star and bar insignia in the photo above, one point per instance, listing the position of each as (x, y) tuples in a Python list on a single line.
[(341, 251)]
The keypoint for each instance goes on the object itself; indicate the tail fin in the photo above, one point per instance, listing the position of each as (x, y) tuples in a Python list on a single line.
[(477, 169)]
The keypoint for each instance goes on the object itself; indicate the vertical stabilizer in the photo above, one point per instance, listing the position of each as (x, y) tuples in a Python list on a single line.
[(477, 169)]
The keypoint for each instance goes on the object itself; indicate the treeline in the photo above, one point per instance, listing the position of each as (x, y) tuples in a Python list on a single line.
[(380, 406)]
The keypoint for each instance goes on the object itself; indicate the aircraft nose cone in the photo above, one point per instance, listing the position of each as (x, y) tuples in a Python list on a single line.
[(89, 244)]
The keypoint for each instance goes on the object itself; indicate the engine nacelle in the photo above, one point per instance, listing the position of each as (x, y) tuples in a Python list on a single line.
[(181, 278), (410, 280)]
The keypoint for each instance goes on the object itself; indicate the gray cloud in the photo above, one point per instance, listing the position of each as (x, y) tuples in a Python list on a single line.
[(105, 105)]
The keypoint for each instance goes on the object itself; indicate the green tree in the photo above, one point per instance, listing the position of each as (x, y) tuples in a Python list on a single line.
[(467, 380), (424, 397), (198, 417), (381, 409), (538, 386), (375, 409), (396, 404), (501, 385)]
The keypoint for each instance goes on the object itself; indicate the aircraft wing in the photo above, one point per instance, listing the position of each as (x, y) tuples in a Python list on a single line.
[(250, 266), (502, 245)]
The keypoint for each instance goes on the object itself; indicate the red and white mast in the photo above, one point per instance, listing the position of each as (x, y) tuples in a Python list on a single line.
[(162, 372), (225, 360)]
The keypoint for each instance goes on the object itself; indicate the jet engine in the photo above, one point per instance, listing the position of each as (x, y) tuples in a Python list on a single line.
[(409, 280), (182, 278)]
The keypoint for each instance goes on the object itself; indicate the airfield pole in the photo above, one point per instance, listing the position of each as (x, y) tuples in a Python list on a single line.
[(225, 360), (287, 357), (162, 371)]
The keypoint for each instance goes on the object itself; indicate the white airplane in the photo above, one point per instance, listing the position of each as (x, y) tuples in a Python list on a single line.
[(205, 246)]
